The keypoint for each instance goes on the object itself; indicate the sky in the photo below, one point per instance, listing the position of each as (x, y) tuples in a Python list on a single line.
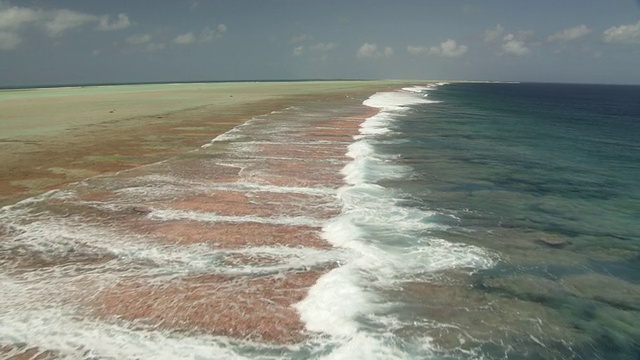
[(49, 42)]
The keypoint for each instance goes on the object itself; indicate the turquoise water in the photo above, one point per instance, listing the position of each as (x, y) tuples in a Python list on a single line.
[(545, 179)]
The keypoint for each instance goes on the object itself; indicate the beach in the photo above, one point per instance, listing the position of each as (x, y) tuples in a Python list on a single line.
[(53, 136), (132, 217)]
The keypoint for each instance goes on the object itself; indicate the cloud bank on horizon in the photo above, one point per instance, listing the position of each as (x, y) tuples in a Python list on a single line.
[(94, 42)]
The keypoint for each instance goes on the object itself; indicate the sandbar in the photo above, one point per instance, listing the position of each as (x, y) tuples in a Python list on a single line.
[(53, 136)]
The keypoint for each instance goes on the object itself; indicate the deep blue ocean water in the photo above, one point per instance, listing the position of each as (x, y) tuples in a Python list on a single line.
[(534, 190)]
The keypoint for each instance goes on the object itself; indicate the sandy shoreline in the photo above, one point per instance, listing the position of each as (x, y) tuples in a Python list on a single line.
[(237, 225), (50, 137)]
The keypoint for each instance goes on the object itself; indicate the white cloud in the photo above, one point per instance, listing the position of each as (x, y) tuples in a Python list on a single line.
[(623, 34), (523, 35), (415, 50), (371, 51), (513, 46), (53, 23), (185, 39), (494, 34), (8, 40), (154, 42), (59, 21), (122, 22), (138, 39), (448, 48), (319, 47), (13, 17), (569, 34), (516, 44), (367, 50), (323, 47), (208, 35)]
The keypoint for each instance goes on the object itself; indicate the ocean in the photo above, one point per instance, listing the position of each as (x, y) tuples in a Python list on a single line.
[(505, 218), (444, 221)]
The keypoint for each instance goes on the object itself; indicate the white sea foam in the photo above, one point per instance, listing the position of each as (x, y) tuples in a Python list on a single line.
[(251, 187), (236, 133), (387, 242), (369, 167), (30, 315), (376, 125), (395, 101), (419, 89), (57, 328), (54, 238), (333, 303), (391, 105), (202, 216)]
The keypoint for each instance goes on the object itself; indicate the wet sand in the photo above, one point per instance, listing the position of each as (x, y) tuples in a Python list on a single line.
[(50, 137), (219, 241), (256, 308)]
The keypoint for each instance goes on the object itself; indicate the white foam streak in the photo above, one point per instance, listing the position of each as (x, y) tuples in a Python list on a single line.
[(27, 319), (236, 133), (56, 329), (364, 347), (165, 215), (394, 101), (419, 89), (376, 125), (385, 240), (54, 238), (253, 187), (332, 304)]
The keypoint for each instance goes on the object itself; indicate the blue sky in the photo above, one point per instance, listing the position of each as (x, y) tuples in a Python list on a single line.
[(75, 41)]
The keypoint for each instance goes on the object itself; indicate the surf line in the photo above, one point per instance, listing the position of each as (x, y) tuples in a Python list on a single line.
[(338, 298), (335, 300)]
